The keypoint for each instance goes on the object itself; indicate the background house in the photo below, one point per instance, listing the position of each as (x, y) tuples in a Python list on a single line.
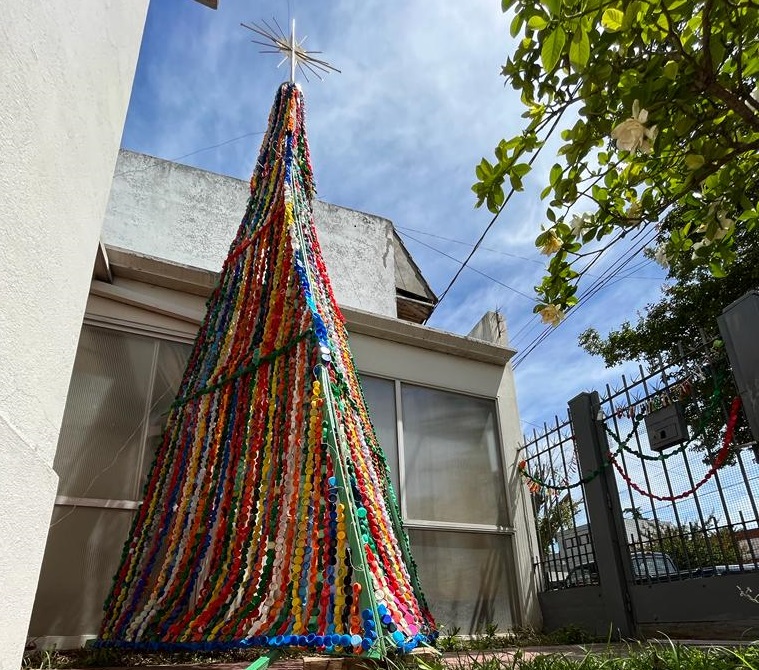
[(444, 405)]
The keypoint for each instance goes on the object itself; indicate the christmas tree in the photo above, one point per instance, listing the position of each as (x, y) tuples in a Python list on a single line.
[(268, 516)]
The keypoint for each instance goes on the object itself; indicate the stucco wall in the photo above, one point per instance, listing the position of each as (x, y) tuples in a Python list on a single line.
[(190, 216), (64, 85)]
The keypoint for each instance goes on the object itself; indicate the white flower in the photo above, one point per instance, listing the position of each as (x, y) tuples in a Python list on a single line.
[(552, 315), (725, 225), (632, 134), (660, 256), (580, 222), (551, 244)]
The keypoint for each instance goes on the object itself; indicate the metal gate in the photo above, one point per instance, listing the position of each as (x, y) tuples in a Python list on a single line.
[(645, 509)]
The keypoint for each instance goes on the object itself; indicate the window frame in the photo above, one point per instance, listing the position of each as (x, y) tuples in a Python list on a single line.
[(425, 524)]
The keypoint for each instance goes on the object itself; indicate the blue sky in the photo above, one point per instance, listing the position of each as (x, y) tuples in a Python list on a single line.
[(419, 102)]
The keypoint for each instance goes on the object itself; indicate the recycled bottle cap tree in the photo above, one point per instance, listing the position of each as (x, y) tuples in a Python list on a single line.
[(268, 516)]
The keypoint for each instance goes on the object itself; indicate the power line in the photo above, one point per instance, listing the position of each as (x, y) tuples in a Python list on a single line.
[(469, 244), (192, 153), (505, 202), (473, 269), (598, 285)]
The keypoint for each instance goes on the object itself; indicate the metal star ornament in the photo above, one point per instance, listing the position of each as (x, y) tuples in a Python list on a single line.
[(291, 48)]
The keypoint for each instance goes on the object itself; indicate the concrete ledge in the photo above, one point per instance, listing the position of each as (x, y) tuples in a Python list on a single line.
[(425, 337), (195, 281)]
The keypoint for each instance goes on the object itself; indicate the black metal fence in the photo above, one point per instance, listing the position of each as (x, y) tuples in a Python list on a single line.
[(685, 466)]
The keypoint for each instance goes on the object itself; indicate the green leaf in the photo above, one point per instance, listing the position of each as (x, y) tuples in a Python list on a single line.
[(670, 70), (716, 269), (556, 172), (694, 161), (537, 22), (516, 182), (516, 25), (521, 169), (612, 20), (553, 47), (579, 49), (553, 6)]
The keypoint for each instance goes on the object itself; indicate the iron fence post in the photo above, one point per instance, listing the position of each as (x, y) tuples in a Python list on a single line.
[(604, 513)]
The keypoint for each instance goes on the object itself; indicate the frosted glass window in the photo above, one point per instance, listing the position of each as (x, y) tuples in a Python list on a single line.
[(170, 366), (380, 399), (452, 464), (102, 438), (121, 389), (81, 556), (464, 578)]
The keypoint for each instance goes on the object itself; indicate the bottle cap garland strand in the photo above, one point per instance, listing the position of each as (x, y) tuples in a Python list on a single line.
[(719, 461), (535, 483), (268, 517)]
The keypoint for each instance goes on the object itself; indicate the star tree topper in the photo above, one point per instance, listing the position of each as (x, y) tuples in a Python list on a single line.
[(291, 48)]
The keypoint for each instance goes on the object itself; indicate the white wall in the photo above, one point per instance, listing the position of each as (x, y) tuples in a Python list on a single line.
[(65, 80), (190, 216)]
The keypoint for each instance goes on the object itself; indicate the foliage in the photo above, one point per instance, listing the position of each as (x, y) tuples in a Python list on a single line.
[(691, 303), (670, 332), (551, 512), (693, 546), (91, 657), (490, 639), (552, 515), (660, 127)]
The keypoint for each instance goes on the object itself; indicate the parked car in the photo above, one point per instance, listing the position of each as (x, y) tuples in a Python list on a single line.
[(649, 566)]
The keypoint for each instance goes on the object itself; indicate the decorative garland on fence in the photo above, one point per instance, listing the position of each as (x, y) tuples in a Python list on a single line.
[(719, 461), (535, 483), (268, 517), (663, 456)]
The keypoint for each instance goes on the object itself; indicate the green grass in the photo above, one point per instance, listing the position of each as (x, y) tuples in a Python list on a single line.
[(643, 656), (637, 656), (100, 658), (490, 638)]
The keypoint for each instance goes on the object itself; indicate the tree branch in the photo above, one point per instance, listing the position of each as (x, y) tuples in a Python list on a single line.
[(732, 101), (706, 22)]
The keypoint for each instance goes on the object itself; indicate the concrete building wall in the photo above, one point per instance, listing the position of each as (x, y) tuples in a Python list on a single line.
[(64, 88), (190, 216)]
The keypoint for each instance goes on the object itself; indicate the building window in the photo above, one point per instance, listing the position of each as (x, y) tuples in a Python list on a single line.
[(465, 577), (121, 388), (380, 399), (452, 476), (451, 456)]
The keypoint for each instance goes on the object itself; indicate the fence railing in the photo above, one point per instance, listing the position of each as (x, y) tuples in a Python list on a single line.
[(689, 509)]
